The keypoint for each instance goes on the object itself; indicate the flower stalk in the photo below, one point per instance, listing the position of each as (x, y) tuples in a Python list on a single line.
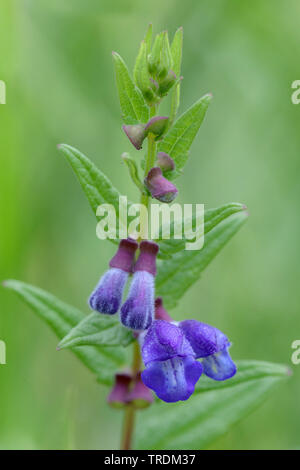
[(129, 415)]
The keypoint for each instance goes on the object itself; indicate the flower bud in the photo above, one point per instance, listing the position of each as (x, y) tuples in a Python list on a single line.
[(137, 312), (124, 258), (165, 162), (118, 397), (107, 296), (140, 395), (147, 258), (136, 134), (157, 126), (166, 84), (159, 187), (160, 311)]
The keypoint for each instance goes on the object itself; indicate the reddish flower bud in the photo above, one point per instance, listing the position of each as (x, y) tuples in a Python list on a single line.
[(124, 258), (107, 295), (157, 126), (118, 397), (165, 162), (147, 258), (136, 134), (140, 395), (159, 187), (160, 311)]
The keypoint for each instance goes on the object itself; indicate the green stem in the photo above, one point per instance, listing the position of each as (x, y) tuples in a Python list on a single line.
[(129, 418)]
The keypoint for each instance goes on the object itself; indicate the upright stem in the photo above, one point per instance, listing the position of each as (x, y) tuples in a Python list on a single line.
[(129, 418), (128, 427)]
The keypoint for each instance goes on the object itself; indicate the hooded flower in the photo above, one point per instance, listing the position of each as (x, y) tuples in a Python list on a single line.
[(118, 396), (107, 296), (137, 312), (211, 345), (171, 369), (140, 395), (136, 134), (159, 187), (165, 162)]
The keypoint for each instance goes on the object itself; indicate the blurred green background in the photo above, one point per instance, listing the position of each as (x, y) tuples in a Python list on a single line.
[(56, 62)]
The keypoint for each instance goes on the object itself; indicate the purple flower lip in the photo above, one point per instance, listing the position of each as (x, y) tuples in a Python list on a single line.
[(135, 133), (124, 258), (159, 187), (174, 379), (160, 311), (165, 162), (147, 258)]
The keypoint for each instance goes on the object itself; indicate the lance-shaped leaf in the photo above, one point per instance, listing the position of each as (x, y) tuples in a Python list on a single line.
[(99, 330), (212, 217), (133, 171), (141, 74), (177, 274), (180, 137), (148, 38), (176, 51), (61, 317), (133, 106), (208, 414), (96, 186)]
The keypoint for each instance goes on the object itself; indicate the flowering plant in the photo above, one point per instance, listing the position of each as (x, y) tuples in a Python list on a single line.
[(184, 364)]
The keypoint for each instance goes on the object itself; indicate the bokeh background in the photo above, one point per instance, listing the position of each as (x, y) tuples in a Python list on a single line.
[(56, 62)]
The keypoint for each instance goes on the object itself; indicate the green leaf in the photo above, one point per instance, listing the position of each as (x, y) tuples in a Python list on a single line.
[(141, 74), (96, 186), (61, 317), (176, 51), (177, 274), (133, 171), (212, 217), (133, 106), (180, 137), (148, 38), (99, 330), (198, 422)]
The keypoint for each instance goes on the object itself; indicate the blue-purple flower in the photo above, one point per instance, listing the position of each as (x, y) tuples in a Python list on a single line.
[(107, 296), (171, 369), (211, 345), (137, 312), (170, 351)]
